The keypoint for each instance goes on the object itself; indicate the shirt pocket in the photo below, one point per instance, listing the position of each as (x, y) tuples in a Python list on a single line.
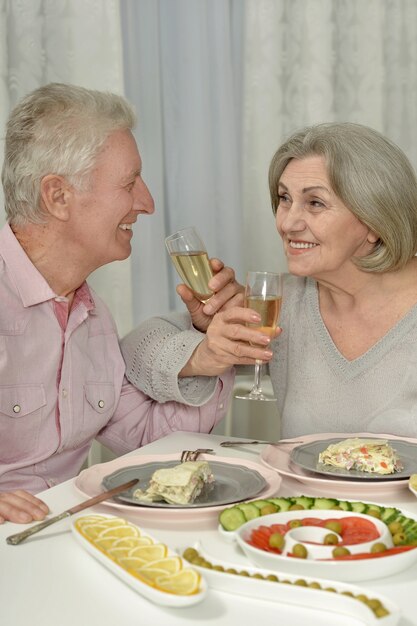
[(99, 404), (21, 412)]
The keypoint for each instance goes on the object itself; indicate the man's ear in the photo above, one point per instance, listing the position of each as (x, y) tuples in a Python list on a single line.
[(56, 194)]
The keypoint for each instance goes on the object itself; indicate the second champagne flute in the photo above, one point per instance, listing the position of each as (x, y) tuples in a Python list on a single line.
[(189, 256), (263, 294)]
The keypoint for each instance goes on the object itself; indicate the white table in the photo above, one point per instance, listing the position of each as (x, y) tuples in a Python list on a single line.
[(50, 580)]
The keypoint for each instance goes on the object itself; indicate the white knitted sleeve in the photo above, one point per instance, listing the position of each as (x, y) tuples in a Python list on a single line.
[(156, 351)]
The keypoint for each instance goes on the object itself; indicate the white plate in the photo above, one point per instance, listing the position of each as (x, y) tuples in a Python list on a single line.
[(155, 595), (310, 598), (89, 483), (306, 457), (279, 458), (232, 483), (365, 569)]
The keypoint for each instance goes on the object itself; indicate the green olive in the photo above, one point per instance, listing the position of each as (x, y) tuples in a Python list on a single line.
[(395, 527), (295, 523), (268, 508), (276, 540), (399, 538), (296, 507), (374, 513), (258, 576), (244, 573), (378, 547), (330, 539), (374, 603), (218, 568), (314, 585), (381, 612), (299, 551), (340, 551), (231, 570), (300, 582), (189, 554), (334, 525), (272, 577)]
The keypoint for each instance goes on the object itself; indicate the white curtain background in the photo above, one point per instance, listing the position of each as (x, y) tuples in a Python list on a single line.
[(217, 85), (310, 61), (182, 71), (70, 41)]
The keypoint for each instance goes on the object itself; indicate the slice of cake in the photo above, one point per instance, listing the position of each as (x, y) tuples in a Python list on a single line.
[(364, 455), (180, 484)]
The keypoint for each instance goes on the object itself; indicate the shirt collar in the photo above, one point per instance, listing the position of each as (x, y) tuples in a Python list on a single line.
[(31, 285)]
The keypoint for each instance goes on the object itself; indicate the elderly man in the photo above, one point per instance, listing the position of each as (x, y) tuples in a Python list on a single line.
[(73, 191)]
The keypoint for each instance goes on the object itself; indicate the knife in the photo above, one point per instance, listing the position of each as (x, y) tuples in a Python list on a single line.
[(19, 537)]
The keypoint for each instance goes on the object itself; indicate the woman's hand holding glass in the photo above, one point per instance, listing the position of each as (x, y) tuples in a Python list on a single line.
[(231, 339)]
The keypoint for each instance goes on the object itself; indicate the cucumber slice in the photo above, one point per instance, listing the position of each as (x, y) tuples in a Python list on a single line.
[(250, 511), (260, 503), (325, 503), (345, 505), (390, 514), (305, 501), (359, 507), (232, 518), (283, 503)]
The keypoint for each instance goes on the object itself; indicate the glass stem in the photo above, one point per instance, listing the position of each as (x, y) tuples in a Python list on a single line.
[(257, 384)]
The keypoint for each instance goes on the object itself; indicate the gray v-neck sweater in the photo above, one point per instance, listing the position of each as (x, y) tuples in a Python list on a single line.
[(318, 390)]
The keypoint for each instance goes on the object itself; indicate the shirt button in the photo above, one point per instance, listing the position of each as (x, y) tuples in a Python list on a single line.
[(64, 393), (16, 408), (101, 403), (221, 405)]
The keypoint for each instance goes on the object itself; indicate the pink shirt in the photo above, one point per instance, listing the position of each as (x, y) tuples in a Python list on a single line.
[(62, 381)]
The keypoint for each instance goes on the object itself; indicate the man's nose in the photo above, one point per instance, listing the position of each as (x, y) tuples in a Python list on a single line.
[(143, 202)]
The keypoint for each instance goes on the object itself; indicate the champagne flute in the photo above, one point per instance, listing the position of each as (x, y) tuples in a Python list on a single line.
[(189, 256), (263, 294)]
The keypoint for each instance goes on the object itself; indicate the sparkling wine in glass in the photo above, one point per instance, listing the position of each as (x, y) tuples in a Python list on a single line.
[(189, 256), (263, 294)]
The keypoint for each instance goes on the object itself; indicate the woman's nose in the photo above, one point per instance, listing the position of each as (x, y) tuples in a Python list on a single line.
[(293, 219)]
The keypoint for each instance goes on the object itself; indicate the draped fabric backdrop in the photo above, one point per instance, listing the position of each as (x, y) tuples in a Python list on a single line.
[(217, 85), (70, 41), (182, 71)]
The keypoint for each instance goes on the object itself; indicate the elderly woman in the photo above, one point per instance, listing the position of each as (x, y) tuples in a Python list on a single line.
[(345, 202), (73, 192)]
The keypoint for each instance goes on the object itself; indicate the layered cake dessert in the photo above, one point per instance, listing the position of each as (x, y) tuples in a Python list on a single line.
[(364, 455), (180, 484)]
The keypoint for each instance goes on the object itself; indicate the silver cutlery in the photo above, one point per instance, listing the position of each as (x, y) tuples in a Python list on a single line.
[(192, 455), (229, 444), (19, 537)]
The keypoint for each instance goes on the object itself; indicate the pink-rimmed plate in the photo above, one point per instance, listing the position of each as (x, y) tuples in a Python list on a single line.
[(279, 458), (89, 483)]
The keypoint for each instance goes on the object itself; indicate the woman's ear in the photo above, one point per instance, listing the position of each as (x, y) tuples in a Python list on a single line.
[(56, 194), (372, 237)]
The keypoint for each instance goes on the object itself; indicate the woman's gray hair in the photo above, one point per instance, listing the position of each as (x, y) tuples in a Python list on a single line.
[(371, 176), (56, 129)]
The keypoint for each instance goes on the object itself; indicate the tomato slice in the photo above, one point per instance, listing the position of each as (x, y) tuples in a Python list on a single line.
[(357, 530)]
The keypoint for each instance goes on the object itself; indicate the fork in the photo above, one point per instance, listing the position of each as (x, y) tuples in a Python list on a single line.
[(192, 455)]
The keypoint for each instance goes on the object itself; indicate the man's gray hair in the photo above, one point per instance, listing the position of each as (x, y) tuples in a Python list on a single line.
[(373, 178), (56, 129)]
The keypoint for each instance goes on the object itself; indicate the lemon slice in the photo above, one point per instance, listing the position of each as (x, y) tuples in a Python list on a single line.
[(183, 583), (117, 532), (89, 519), (168, 565), (413, 481), (150, 553), (118, 553), (131, 562), (150, 575), (132, 542)]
